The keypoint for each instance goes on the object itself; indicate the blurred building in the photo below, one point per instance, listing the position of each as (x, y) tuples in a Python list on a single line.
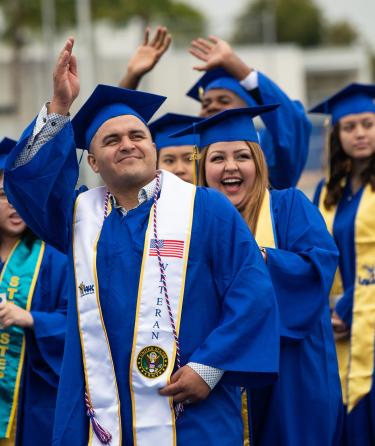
[(329, 69)]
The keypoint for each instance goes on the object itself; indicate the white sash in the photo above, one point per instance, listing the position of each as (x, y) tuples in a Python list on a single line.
[(100, 378), (153, 354), (154, 349)]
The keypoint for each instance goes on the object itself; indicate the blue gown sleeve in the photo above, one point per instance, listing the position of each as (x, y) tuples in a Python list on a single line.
[(344, 307), (45, 343), (71, 422), (286, 141), (317, 192), (303, 267), (245, 343), (42, 190)]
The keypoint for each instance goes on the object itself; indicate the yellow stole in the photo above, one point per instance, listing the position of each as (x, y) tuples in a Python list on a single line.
[(356, 354), (265, 237)]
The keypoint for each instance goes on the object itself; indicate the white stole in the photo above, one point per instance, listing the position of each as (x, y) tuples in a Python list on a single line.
[(154, 349)]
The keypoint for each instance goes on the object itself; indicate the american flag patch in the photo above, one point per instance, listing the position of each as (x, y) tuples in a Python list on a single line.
[(167, 248)]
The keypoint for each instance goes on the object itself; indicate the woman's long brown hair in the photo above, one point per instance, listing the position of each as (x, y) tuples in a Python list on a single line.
[(340, 166), (250, 209)]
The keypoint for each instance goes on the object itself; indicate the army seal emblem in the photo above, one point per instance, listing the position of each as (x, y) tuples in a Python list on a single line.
[(152, 361)]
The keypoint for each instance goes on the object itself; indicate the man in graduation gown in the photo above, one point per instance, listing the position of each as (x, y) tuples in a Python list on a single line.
[(165, 277)]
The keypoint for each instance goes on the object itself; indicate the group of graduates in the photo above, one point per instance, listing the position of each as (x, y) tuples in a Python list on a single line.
[(152, 310)]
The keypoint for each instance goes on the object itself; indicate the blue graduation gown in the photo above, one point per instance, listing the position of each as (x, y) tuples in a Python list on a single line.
[(44, 353), (226, 282), (285, 140), (359, 425), (304, 406)]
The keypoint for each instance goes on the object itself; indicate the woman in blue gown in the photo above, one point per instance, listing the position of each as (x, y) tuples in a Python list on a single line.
[(346, 199), (33, 317), (303, 406)]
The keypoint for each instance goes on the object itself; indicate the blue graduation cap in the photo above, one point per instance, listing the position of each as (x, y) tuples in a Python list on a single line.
[(220, 78), (6, 146), (108, 102), (353, 99), (229, 125), (162, 128)]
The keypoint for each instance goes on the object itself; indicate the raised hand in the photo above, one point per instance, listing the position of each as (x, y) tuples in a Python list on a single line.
[(215, 52), (65, 80), (146, 56)]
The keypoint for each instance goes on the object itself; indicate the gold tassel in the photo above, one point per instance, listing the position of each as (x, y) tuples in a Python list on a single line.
[(195, 157), (200, 92)]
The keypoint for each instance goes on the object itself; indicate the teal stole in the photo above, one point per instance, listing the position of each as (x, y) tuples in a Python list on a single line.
[(17, 281)]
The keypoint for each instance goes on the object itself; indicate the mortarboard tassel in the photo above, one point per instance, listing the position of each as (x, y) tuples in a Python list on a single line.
[(102, 434), (195, 157), (179, 407)]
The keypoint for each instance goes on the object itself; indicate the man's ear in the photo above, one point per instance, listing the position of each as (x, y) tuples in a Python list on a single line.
[(92, 162)]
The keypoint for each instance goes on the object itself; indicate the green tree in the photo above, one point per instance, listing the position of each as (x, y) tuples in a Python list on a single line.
[(298, 21), (178, 16), (25, 16), (21, 17), (340, 33), (182, 20)]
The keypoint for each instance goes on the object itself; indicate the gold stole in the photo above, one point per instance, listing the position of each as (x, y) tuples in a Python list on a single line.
[(265, 237), (356, 354)]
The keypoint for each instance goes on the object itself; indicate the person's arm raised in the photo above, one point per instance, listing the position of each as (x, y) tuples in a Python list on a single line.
[(42, 170), (285, 143), (217, 53), (146, 56), (65, 80)]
